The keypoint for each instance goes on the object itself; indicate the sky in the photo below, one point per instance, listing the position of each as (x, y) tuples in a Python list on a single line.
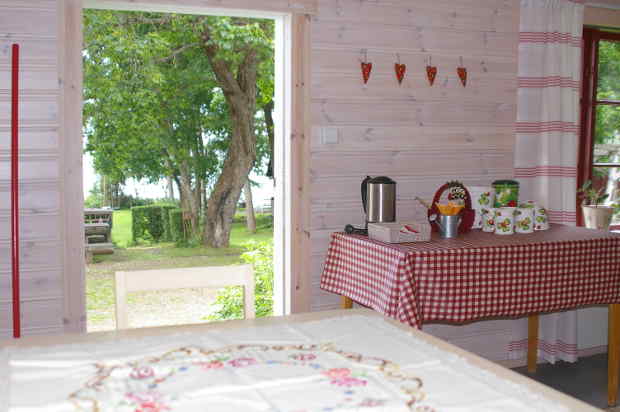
[(261, 195)]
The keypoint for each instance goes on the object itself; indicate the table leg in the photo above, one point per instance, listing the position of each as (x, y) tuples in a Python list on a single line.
[(345, 302), (613, 354), (532, 343)]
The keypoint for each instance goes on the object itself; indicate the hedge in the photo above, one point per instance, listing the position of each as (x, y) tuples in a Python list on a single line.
[(147, 220), (175, 224), (165, 210)]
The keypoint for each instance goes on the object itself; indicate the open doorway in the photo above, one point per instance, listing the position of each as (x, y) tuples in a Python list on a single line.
[(156, 110)]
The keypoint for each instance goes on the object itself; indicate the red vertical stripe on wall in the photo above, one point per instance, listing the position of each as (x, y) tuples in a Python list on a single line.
[(15, 188)]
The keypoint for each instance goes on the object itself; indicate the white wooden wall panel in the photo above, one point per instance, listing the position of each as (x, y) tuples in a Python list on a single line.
[(33, 321), (33, 254), (421, 136), (34, 50), (33, 24), (34, 198), (36, 283), (33, 141)]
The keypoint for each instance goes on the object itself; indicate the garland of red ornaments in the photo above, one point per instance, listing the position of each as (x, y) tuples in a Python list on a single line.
[(400, 69)]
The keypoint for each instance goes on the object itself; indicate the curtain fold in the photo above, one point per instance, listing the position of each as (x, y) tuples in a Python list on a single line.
[(546, 144)]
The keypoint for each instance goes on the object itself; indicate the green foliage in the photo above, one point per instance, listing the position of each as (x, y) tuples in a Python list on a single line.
[(591, 196), (608, 117), (229, 302), (94, 200), (175, 225), (147, 222), (152, 101), (153, 105), (165, 212), (129, 201), (121, 229)]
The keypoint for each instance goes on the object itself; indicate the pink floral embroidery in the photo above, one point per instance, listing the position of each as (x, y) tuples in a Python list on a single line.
[(147, 401), (337, 373), (152, 407), (371, 403), (303, 357), (242, 362), (216, 364), (142, 372), (342, 377), (348, 381)]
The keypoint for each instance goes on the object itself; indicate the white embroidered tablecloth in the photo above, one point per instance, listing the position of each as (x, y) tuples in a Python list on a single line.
[(345, 363)]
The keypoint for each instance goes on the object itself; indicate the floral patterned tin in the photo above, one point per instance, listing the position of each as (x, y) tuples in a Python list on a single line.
[(506, 193), (541, 219), (505, 220), (524, 220), (488, 220)]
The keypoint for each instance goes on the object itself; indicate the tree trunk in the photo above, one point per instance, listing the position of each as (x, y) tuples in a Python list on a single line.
[(199, 205), (250, 218), (223, 201), (240, 93), (268, 111), (188, 195), (170, 188), (107, 192)]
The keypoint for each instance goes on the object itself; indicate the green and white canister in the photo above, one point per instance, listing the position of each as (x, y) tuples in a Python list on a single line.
[(506, 193), (488, 220), (505, 220), (524, 220)]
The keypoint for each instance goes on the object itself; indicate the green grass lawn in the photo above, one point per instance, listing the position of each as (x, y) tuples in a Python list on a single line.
[(121, 228), (100, 273)]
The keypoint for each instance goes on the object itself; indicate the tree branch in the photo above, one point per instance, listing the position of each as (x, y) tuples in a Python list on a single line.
[(145, 20), (246, 75), (224, 76), (176, 52)]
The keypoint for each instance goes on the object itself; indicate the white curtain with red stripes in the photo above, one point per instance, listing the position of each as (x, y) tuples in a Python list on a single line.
[(546, 140)]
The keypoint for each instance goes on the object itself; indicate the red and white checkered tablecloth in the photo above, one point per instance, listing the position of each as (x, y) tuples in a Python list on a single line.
[(477, 275)]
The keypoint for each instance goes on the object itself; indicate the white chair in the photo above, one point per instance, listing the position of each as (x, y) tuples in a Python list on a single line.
[(196, 277)]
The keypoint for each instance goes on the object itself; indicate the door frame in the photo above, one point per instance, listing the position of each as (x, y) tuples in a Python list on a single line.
[(294, 198)]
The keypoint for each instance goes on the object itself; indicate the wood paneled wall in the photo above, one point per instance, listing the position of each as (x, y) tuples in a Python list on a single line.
[(32, 24), (420, 136)]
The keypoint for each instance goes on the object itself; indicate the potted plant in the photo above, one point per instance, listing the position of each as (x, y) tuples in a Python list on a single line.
[(595, 214)]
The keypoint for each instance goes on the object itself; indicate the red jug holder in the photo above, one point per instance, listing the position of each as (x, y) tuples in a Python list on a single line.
[(468, 215)]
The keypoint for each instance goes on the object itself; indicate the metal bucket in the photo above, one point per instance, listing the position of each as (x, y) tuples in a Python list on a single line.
[(448, 226)]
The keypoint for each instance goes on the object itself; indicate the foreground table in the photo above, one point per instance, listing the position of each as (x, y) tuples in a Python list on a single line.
[(481, 275), (337, 360)]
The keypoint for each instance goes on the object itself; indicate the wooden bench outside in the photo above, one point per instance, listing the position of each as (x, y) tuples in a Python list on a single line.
[(98, 231)]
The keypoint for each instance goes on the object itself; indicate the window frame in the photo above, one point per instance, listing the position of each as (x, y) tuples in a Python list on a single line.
[(589, 102)]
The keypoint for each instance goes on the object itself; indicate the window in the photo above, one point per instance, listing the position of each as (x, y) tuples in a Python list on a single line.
[(599, 157)]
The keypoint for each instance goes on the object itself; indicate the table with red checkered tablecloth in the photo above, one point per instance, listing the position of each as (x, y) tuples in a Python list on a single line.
[(477, 275), (481, 275)]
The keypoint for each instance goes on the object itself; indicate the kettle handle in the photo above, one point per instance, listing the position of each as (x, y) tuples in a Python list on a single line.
[(365, 192)]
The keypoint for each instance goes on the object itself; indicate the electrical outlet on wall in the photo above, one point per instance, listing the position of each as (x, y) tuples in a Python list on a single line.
[(329, 135)]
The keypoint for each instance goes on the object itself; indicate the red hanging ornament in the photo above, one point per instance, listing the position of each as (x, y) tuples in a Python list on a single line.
[(366, 69), (431, 71), (400, 70), (462, 72)]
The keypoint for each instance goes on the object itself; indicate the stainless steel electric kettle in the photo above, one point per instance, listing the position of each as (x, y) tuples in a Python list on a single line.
[(379, 199)]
